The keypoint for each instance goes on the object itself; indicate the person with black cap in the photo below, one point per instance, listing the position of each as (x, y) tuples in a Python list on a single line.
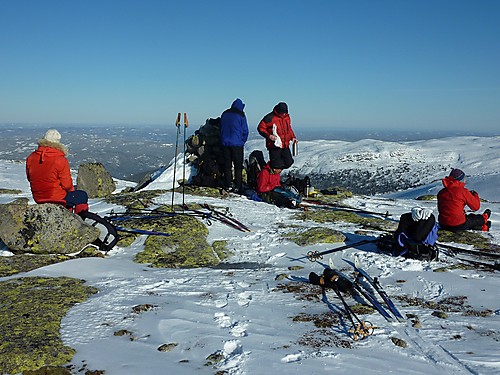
[(453, 199), (276, 128), (48, 173)]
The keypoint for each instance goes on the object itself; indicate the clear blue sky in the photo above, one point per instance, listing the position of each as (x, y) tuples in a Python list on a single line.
[(368, 64)]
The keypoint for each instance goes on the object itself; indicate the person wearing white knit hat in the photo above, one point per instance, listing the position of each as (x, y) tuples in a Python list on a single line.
[(48, 173), (416, 228)]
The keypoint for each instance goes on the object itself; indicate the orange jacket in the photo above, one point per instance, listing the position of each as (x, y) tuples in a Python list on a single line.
[(47, 170), (452, 201)]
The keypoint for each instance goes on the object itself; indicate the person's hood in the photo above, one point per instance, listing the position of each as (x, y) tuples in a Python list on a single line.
[(450, 182), (238, 104), (56, 145)]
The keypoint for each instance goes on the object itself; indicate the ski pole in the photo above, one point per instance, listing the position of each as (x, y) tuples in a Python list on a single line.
[(184, 163), (178, 126), (315, 255)]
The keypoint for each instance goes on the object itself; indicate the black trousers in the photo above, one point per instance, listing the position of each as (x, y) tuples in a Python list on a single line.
[(473, 221), (233, 155), (280, 158)]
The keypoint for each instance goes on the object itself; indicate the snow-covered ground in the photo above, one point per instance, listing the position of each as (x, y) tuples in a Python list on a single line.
[(240, 312)]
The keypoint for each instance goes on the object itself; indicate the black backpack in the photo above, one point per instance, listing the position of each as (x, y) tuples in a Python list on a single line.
[(254, 165)]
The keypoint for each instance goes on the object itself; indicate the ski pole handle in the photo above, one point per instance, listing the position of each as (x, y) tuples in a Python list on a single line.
[(186, 123), (178, 121)]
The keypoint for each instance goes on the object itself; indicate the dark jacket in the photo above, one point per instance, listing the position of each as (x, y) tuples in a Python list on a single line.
[(415, 230), (283, 128), (452, 201), (233, 125)]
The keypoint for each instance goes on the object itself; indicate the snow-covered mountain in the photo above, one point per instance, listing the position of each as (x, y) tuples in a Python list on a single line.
[(250, 316), (371, 166)]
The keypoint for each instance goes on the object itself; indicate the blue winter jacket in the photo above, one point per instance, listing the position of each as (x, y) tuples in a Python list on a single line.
[(233, 125)]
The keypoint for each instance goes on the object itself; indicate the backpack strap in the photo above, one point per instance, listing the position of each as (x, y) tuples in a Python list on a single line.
[(110, 238)]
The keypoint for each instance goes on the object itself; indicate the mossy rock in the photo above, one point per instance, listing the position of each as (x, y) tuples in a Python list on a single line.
[(202, 191), (428, 197), (10, 191), (30, 316), (476, 239), (135, 200), (24, 263), (340, 194), (186, 245), (316, 235), (333, 216)]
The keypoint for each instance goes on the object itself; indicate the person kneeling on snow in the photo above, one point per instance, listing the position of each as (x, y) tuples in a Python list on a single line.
[(416, 234), (452, 200), (269, 188), (48, 173)]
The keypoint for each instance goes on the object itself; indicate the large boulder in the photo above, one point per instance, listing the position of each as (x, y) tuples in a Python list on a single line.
[(43, 229), (95, 180)]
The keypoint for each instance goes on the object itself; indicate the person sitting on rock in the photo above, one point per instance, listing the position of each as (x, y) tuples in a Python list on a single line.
[(453, 199), (416, 234), (48, 173)]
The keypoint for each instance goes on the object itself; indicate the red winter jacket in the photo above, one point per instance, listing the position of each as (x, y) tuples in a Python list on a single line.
[(47, 170), (267, 181), (283, 128), (452, 201)]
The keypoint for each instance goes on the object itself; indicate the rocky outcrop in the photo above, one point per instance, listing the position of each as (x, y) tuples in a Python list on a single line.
[(43, 229), (95, 180)]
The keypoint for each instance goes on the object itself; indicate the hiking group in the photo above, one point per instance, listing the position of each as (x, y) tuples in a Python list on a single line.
[(48, 172), (263, 178)]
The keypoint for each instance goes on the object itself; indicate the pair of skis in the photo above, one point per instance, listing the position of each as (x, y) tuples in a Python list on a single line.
[(224, 217), (178, 126), (387, 309), (359, 329), (208, 214)]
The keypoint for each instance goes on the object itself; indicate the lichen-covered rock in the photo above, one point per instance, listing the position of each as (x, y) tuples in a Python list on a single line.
[(186, 246), (43, 229), (333, 216), (30, 319), (95, 180), (316, 235), (27, 262)]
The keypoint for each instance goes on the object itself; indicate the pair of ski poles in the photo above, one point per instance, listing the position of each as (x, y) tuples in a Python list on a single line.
[(178, 126)]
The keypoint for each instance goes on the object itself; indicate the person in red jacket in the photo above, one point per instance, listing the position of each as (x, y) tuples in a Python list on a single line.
[(269, 188), (48, 173), (268, 179), (276, 128), (453, 199)]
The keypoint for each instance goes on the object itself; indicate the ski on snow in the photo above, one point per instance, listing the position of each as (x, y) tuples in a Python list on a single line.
[(368, 295), (378, 288)]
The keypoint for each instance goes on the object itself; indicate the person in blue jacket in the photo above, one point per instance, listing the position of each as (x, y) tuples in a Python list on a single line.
[(233, 135)]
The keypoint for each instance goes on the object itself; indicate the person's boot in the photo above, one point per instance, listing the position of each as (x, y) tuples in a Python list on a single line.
[(486, 226), (487, 214)]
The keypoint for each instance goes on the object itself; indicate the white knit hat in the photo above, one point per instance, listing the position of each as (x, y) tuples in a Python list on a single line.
[(52, 135), (420, 213)]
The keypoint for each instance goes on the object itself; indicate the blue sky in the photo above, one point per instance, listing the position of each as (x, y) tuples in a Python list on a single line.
[(353, 64)]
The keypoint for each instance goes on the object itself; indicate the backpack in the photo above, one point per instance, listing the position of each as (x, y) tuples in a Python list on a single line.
[(408, 248), (209, 173), (301, 184), (254, 165), (109, 235)]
